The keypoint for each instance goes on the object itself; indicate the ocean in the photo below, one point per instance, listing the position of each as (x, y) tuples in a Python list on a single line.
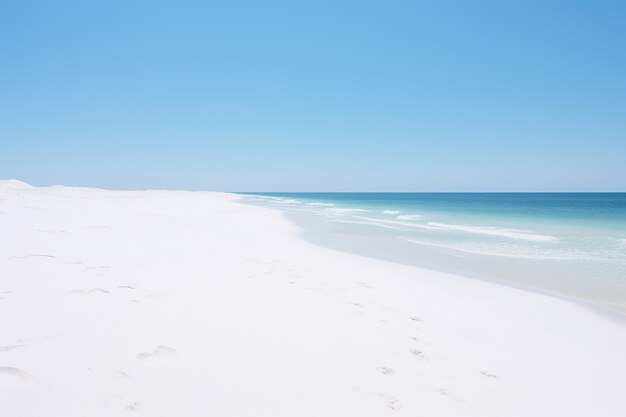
[(566, 244)]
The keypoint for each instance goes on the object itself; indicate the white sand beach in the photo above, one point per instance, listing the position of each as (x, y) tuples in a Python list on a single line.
[(172, 303)]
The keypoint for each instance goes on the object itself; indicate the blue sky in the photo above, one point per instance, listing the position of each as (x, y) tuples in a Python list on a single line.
[(322, 95)]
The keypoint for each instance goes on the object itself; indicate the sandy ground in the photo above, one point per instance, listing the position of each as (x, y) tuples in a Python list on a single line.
[(165, 303)]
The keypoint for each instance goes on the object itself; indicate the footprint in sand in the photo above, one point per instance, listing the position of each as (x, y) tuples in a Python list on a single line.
[(128, 287), (393, 403), (389, 401), (13, 377), (33, 255), (132, 407), (123, 374), (488, 374), (417, 353), (446, 393), (415, 318), (91, 291), (51, 231), (162, 355), (384, 370), (10, 347)]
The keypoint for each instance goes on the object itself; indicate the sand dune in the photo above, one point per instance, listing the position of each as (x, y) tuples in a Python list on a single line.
[(169, 303)]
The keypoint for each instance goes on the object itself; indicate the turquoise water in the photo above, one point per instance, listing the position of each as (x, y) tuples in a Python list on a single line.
[(578, 239)]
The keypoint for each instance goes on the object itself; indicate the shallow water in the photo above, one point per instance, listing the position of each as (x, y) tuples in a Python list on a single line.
[(571, 244)]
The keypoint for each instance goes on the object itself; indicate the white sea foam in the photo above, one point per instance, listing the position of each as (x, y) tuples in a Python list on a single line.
[(345, 210), (416, 225), (528, 235), (408, 216), (391, 212), (265, 197), (321, 204), (496, 231)]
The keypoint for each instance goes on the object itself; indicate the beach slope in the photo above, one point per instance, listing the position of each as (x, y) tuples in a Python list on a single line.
[(171, 303)]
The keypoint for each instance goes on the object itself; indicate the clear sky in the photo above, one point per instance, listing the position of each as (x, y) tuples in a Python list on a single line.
[(319, 95)]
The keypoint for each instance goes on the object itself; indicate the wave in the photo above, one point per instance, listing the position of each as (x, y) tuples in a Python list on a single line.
[(528, 235), (391, 212), (321, 204), (345, 210), (263, 197), (419, 226), (496, 231), (408, 216), (274, 199), (290, 201)]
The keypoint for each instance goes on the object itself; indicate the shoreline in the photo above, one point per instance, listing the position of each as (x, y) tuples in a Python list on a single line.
[(161, 303), (486, 268), (611, 310)]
